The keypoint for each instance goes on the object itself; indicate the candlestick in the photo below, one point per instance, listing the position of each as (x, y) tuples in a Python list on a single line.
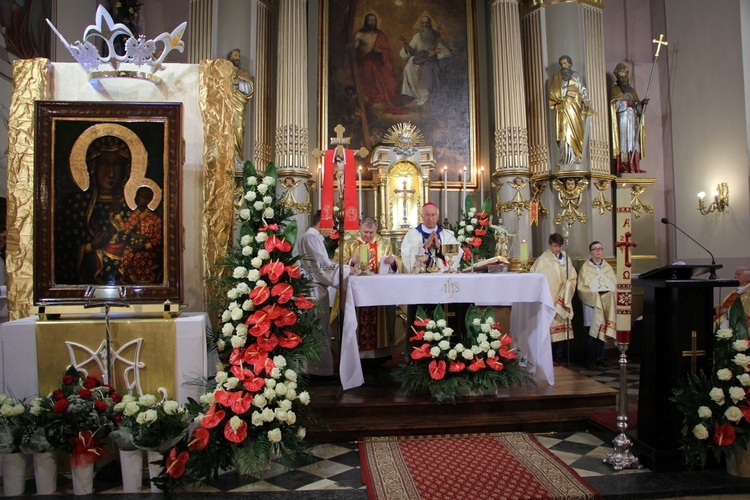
[(320, 187), (481, 185), (524, 252), (445, 191), (361, 210), (462, 201)]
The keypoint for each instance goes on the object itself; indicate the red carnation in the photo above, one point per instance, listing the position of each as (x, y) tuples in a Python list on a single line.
[(90, 382), (61, 406), (84, 393), (58, 395), (101, 406)]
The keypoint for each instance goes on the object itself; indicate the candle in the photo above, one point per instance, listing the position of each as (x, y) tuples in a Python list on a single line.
[(445, 191), (524, 252), (462, 201), (361, 208), (320, 187), (363, 260), (481, 185)]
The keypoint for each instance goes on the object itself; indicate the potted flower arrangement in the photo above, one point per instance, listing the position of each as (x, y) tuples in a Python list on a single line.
[(475, 234), (77, 418), (11, 429), (257, 408), (451, 367), (715, 406)]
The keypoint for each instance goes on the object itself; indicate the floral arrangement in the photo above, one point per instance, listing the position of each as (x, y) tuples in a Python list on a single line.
[(449, 366), (148, 424), (715, 406), (258, 406), (475, 234), (333, 239), (11, 424), (76, 417)]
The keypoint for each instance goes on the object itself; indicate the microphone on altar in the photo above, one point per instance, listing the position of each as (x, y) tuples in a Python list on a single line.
[(712, 275)]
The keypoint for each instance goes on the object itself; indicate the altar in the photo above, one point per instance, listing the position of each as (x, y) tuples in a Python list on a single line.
[(528, 294), (187, 366)]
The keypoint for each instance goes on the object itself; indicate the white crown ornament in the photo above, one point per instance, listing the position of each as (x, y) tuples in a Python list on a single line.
[(141, 59)]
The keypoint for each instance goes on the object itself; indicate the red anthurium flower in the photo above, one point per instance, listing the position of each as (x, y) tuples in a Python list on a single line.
[(241, 372), (84, 393), (268, 366), (212, 418), (476, 242), (284, 246), (68, 380), (293, 271), (284, 292), (290, 340), (241, 404), (456, 366), (421, 352), (271, 227), (481, 215), (257, 357), (467, 253), (745, 409), (175, 465), (724, 435), (495, 364), (260, 294), (506, 340), (274, 270), (254, 384), (418, 335), (421, 321), (259, 318), (238, 435), (334, 235), (60, 406), (303, 302), (86, 449), (200, 439), (101, 406), (288, 318), (268, 342), (507, 353), (271, 242), (483, 222), (477, 364), (497, 327), (480, 232), (437, 369), (273, 311), (226, 398)]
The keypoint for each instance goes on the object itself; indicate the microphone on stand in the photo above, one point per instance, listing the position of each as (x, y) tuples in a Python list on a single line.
[(712, 275)]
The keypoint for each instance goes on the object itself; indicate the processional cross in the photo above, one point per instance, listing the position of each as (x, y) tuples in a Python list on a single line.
[(626, 244), (694, 352), (405, 195)]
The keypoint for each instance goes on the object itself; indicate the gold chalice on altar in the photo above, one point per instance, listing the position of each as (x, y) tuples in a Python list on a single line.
[(421, 262), (450, 250)]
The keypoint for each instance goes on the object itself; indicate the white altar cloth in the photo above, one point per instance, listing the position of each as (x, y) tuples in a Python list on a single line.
[(528, 294), (19, 363)]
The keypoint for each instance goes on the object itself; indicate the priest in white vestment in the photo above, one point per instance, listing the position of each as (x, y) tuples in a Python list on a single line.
[(596, 289), (428, 238), (324, 272), (557, 267)]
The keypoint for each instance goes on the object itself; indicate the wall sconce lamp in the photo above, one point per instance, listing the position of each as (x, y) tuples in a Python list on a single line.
[(720, 203)]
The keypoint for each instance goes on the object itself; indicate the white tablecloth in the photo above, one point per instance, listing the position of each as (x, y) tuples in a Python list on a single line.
[(19, 364), (531, 316)]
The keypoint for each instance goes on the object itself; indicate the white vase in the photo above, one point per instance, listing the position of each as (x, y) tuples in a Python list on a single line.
[(14, 474), (45, 473), (83, 479), (154, 470), (738, 461), (131, 465)]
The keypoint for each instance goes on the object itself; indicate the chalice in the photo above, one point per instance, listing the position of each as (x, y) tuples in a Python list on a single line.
[(421, 259), (450, 250)]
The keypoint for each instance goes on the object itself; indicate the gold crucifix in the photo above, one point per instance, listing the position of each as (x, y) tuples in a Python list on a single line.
[(694, 353), (659, 43), (405, 193), (339, 142)]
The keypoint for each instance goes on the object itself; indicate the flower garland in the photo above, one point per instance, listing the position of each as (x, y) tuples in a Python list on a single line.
[(475, 234), (715, 407), (448, 366), (268, 330)]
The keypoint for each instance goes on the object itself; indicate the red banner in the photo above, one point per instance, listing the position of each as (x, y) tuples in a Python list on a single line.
[(351, 205), (326, 197)]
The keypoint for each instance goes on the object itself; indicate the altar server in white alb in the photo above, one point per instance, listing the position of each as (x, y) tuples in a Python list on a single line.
[(324, 272), (596, 289), (428, 238), (557, 267)]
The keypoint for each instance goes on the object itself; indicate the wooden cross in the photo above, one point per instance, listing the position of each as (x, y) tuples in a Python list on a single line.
[(659, 43), (694, 353), (341, 141), (404, 192), (627, 244)]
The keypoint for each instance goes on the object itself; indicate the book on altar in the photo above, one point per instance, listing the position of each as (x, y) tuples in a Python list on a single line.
[(488, 265)]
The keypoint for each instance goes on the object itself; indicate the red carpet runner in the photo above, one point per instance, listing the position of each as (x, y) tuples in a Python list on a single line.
[(511, 465)]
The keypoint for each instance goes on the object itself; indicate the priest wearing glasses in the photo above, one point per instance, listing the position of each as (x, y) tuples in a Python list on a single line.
[(428, 238)]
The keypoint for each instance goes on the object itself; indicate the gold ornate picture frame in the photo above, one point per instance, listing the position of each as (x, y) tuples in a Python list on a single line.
[(107, 200), (368, 85)]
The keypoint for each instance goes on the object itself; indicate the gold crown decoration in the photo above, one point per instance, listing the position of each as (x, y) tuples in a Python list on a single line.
[(141, 59)]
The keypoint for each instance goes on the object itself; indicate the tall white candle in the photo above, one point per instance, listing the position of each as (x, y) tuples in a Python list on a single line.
[(445, 191), (320, 187), (481, 186), (462, 201), (361, 208)]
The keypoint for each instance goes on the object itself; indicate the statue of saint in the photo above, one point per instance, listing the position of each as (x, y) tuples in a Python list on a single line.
[(628, 127), (243, 91), (570, 100)]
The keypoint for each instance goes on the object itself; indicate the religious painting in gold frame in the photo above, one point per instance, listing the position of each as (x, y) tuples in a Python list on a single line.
[(107, 200), (367, 85)]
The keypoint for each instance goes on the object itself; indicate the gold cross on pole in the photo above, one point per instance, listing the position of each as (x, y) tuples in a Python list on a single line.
[(694, 352), (659, 43), (340, 141)]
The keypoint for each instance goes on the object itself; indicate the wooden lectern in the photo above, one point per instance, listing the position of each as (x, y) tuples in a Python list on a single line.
[(678, 339)]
